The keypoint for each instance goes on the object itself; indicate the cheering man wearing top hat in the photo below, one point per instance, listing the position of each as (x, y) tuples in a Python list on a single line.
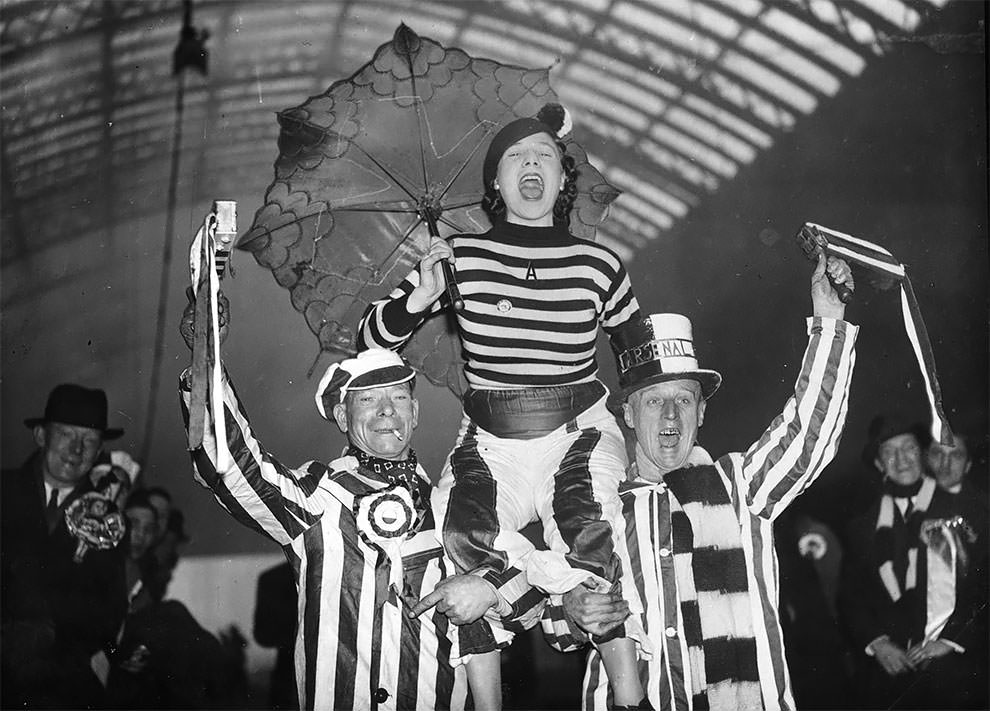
[(57, 612), (700, 531), (376, 601)]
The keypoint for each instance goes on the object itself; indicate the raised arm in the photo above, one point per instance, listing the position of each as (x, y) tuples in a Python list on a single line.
[(389, 322), (252, 485), (803, 439)]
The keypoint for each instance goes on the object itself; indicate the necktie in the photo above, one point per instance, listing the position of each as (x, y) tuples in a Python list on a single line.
[(51, 511)]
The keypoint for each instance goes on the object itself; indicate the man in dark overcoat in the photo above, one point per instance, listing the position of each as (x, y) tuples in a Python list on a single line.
[(63, 603)]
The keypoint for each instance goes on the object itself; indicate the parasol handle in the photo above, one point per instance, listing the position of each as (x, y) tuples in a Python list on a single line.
[(453, 292)]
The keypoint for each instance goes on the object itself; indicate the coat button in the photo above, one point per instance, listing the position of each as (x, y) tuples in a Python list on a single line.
[(381, 696), (671, 632), (664, 552)]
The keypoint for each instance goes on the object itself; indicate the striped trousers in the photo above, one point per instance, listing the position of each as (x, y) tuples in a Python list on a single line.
[(492, 487)]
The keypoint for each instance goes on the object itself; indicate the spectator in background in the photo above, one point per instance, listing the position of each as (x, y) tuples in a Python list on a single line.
[(808, 553), (275, 626), (169, 536), (951, 466), (165, 659), (59, 614), (914, 587), (142, 526)]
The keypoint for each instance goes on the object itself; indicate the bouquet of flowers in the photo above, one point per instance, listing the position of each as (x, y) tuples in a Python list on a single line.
[(96, 522)]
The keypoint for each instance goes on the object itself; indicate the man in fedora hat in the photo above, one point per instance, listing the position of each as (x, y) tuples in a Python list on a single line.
[(913, 591), (360, 536), (57, 612), (700, 531)]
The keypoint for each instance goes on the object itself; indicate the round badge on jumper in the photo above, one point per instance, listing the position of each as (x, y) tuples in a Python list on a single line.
[(386, 514), (503, 305)]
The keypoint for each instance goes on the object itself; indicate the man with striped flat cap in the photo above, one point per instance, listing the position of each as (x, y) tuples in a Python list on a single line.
[(700, 531), (359, 535)]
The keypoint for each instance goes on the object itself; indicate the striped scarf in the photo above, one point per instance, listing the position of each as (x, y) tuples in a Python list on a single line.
[(714, 597), (897, 540)]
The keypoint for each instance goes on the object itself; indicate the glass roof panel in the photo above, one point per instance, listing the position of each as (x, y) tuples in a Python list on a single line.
[(580, 97), (689, 171), (701, 14), (790, 62), (818, 43), (645, 101), (749, 102), (751, 8), (632, 182), (711, 134), (782, 88), (735, 123), (675, 94), (696, 149), (893, 11), (651, 82), (681, 36)]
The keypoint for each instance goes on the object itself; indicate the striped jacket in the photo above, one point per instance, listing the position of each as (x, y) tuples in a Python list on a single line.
[(356, 648), (534, 298), (702, 552)]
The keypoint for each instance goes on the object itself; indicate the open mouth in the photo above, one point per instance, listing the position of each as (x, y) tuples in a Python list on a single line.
[(531, 186), (669, 437)]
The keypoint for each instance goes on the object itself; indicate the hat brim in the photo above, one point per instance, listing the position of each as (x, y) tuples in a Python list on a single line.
[(108, 434), (382, 378), (889, 430), (710, 381)]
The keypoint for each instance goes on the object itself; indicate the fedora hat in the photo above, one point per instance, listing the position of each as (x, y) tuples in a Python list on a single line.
[(887, 426), (659, 348), (373, 368), (73, 404)]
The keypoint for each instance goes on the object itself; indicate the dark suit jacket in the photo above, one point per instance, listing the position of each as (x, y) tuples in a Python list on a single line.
[(868, 608), (868, 611), (56, 613)]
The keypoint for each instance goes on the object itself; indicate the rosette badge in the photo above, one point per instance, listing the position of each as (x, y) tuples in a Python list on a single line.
[(95, 522), (386, 514)]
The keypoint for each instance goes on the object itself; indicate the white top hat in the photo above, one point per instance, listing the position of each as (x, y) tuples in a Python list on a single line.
[(661, 348), (373, 368)]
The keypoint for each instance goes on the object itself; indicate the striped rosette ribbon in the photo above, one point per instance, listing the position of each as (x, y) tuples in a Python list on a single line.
[(208, 256), (877, 259)]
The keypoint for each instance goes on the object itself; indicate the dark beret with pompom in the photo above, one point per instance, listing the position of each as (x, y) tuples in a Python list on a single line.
[(550, 119)]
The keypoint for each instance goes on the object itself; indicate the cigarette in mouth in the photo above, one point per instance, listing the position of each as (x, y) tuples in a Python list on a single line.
[(398, 435)]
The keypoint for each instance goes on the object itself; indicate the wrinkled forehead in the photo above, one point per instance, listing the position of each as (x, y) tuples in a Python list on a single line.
[(668, 388), (380, 391)]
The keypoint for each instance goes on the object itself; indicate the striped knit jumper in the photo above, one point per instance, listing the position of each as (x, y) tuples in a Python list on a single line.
[(702, 551), (534, 298), (356, 647)]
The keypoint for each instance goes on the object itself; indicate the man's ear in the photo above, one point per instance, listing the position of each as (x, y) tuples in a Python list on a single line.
[(701, 412), (40, 435), (340, 416), (415, 413), (627, 415)]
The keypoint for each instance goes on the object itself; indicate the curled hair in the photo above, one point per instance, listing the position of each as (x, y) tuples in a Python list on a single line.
[(494, 206)]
